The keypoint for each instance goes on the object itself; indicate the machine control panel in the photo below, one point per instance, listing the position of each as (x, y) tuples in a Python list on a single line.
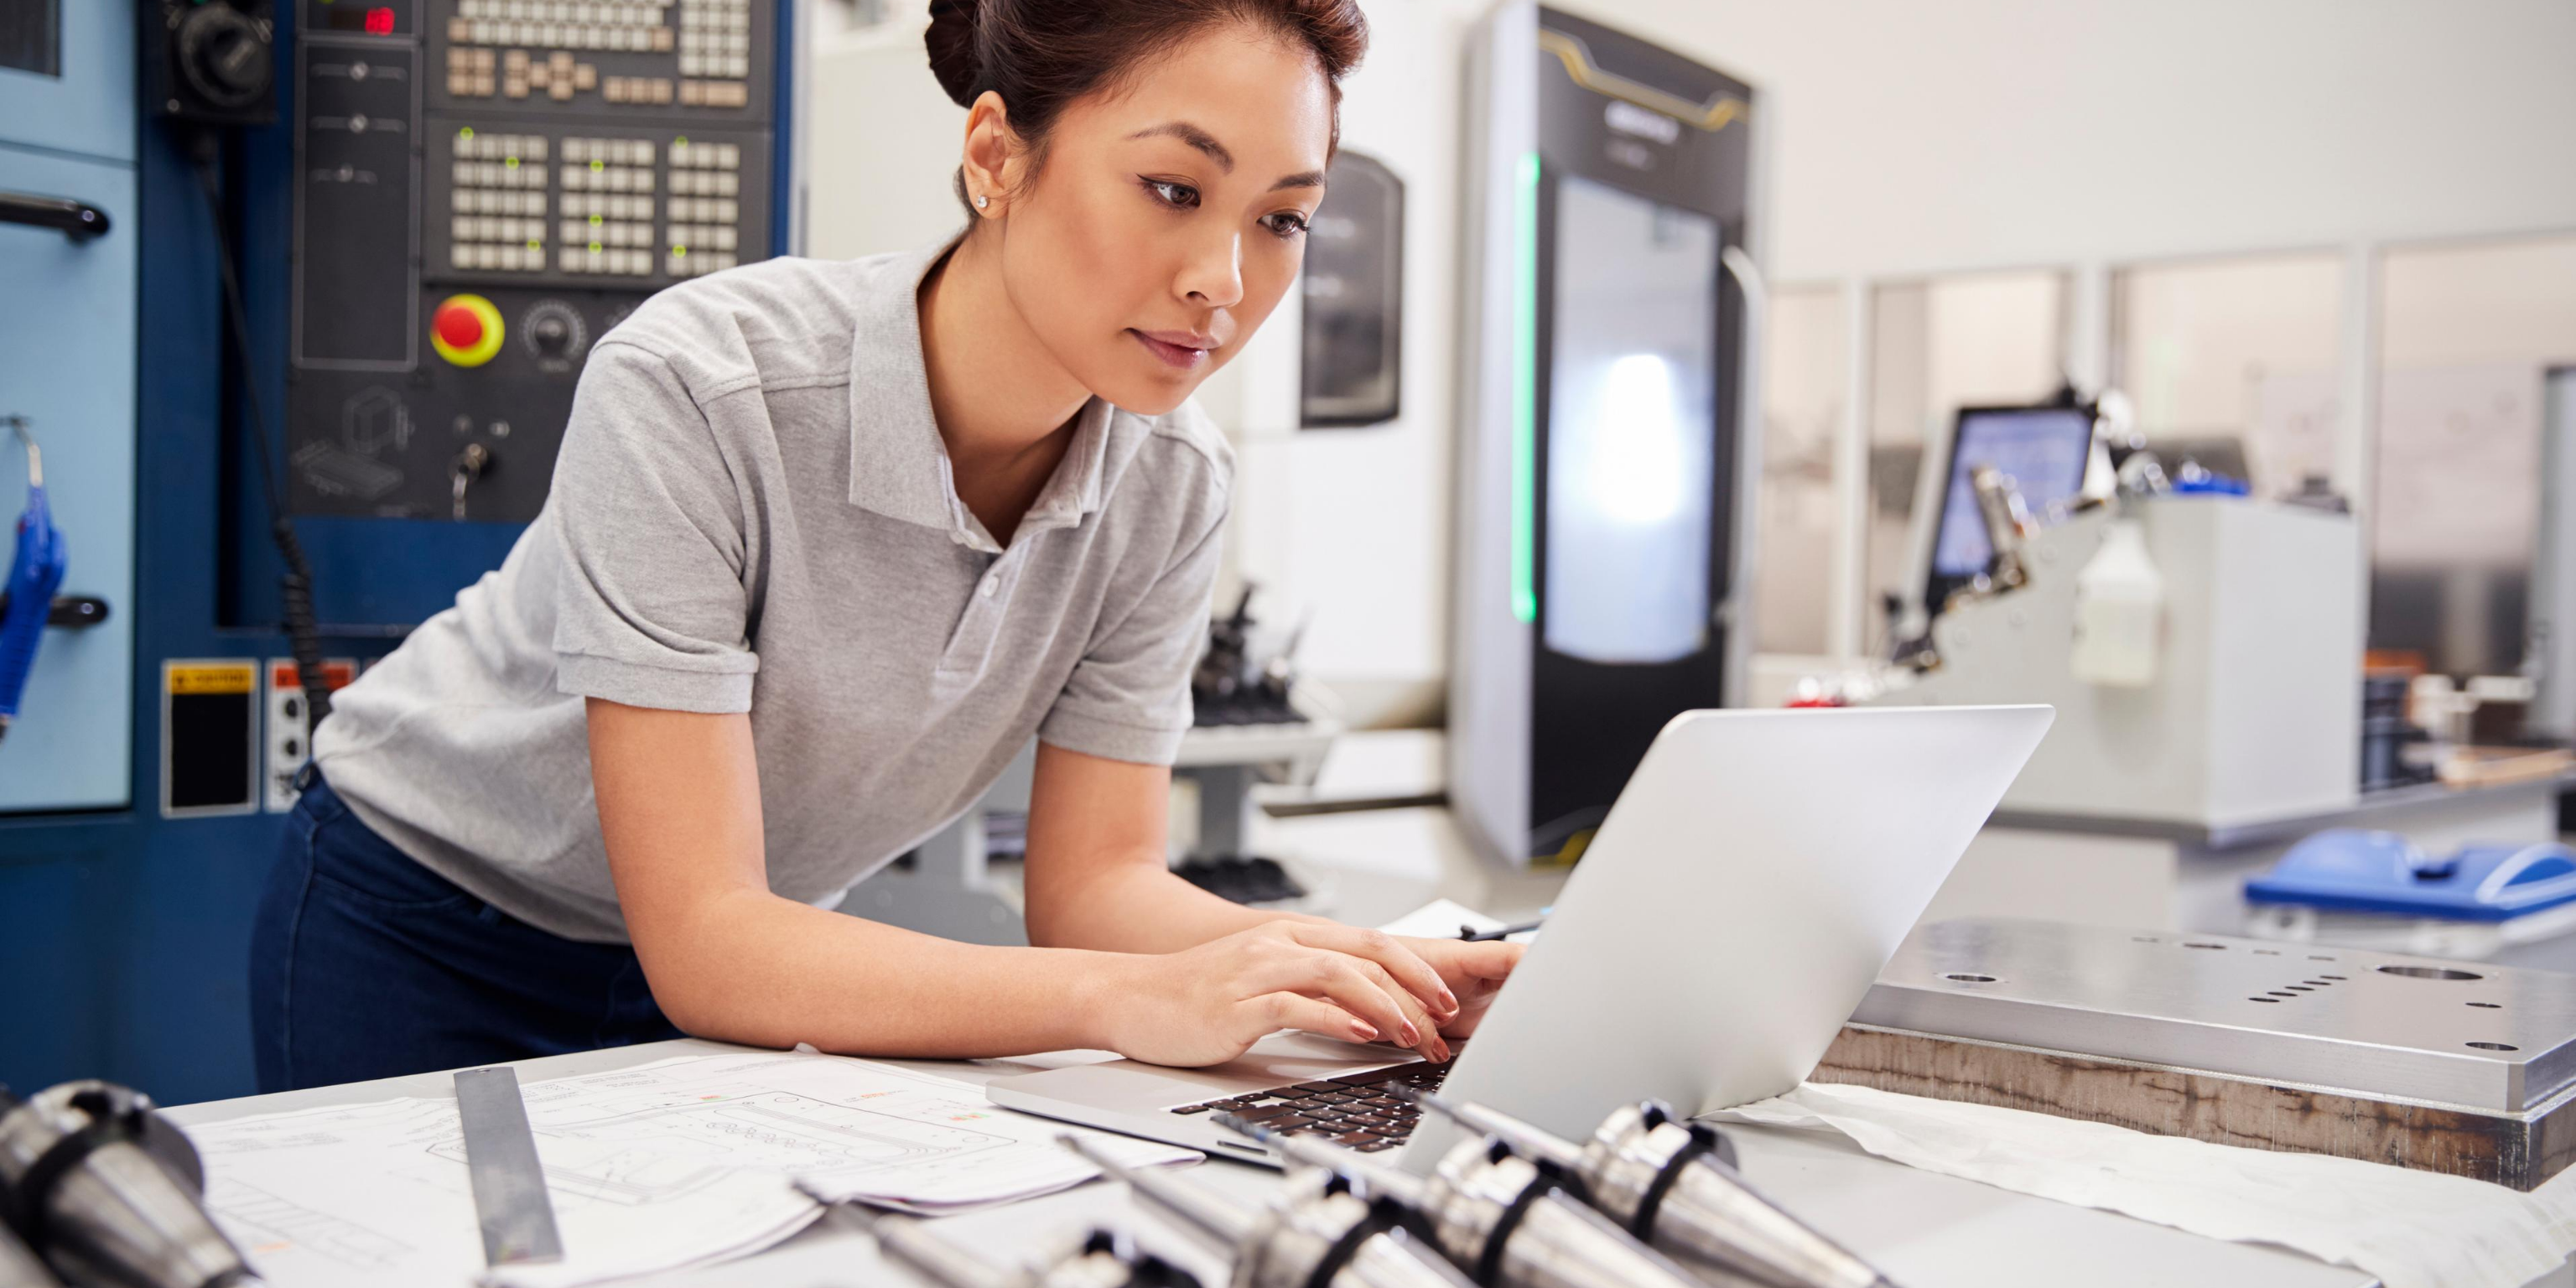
[(485, 188)]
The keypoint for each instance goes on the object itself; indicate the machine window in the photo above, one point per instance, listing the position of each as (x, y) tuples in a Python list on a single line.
[(31, 36), (1631, 437)]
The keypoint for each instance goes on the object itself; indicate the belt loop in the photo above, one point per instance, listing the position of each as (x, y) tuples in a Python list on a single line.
[(309, 774)]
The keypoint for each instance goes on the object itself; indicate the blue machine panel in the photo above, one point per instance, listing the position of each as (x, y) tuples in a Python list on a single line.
[(67, 364), (87, 106), (130, 928)]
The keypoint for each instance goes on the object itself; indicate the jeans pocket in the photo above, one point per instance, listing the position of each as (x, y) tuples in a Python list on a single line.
[(351, 862)]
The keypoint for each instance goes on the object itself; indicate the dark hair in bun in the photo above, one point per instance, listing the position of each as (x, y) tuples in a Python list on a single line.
[(1042, 55), (952, 47)]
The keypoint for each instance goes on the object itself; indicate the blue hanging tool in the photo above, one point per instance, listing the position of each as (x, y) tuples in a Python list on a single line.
[(2349, 870), (35, 573)]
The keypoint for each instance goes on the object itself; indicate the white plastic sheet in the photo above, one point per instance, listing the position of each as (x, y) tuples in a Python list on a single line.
[(2413, 1229)]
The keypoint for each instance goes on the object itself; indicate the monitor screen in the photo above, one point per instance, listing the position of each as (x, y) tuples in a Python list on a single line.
[(2043, 450)]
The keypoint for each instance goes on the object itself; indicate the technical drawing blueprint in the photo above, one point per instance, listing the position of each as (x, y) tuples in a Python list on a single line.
[(668, 1164)]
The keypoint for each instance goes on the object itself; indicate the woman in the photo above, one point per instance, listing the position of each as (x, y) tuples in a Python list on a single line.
[(828, 543)]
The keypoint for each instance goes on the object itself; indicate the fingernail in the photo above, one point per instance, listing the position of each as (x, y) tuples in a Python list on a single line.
[(1449, 999), (1366, 1033), (1411, 1034)]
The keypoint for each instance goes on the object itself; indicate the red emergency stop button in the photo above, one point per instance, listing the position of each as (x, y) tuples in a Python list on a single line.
[(465, 330)]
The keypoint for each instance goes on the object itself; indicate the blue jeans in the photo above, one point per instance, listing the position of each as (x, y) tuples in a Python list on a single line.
[(364, 964)]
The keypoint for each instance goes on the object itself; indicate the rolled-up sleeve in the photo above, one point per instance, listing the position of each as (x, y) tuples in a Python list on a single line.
[(652, 605), (1129, 697)]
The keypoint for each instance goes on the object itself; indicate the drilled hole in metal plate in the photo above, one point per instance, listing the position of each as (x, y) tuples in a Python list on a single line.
[(2273, 1000), (1966, 977), (2298, 988), (2326, 976), (2430, 972), (2494, 1046), (2278, 993), (2320, 981), (2214, 947), (2488, 1006)]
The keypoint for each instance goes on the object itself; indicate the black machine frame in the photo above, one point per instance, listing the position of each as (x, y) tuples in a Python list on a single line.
[(1590, 722)]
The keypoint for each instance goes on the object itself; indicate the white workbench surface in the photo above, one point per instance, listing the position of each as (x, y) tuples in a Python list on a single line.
[(1924, 1230)]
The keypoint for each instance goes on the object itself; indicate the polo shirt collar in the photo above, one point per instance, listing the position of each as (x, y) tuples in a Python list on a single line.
[(899, 465)]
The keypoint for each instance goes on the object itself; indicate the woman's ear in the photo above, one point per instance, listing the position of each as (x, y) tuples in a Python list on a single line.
[(993, 155)]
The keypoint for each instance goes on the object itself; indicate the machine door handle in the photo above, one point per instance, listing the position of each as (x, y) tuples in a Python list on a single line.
[(77, 220), (68, 612)]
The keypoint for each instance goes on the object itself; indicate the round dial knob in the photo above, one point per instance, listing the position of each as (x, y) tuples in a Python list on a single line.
[(465, 330), (554, 332), (223, 56)]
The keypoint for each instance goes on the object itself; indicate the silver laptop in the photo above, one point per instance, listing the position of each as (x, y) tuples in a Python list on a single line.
[(1752, 879)]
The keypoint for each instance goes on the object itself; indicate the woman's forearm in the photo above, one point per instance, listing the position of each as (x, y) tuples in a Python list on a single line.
[(1095, 871), (679, 806), (1140, 907), (755, 968)]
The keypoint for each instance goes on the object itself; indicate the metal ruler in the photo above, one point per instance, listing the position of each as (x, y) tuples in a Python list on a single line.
[(510, 1200)]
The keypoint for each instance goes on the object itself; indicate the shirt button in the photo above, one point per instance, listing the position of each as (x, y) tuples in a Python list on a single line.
[(991, 584)]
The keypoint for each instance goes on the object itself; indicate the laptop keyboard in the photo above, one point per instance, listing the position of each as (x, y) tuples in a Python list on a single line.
[(1361, 1111)]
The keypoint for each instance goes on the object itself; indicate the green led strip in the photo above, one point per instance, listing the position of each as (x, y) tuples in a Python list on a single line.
[(1525, 399)]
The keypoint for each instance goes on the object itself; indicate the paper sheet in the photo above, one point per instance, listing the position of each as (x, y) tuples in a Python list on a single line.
[(675, 1163), (2413, 1229), (1442, 918)]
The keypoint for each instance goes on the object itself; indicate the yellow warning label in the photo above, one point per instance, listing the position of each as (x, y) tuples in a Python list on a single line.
[(182, 679)]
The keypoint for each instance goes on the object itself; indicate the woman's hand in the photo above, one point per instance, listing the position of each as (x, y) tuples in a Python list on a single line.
[(1206, 1005), (1474, 972)]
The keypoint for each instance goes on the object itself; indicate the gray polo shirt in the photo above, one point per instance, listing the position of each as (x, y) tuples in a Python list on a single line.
[(753, 511)]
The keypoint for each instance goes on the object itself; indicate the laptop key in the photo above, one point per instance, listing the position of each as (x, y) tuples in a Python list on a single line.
[(1372, 1077), (1353, 1139), (1313, 1087), (1265, 1113), (1377, 1145), (1193, 1109)]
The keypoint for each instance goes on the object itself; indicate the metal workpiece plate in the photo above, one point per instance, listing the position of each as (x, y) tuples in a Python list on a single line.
[(2377, 1025)]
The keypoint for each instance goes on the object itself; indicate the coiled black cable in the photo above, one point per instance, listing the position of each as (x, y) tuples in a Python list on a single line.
[(295, 585)]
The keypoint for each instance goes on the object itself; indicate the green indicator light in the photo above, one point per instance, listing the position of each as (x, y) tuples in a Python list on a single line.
[(509, 163), (598, 165), (679, 250), (594, 248), (466, 133), (534, 244), (594, 221), (1525, 397), (680, 142)]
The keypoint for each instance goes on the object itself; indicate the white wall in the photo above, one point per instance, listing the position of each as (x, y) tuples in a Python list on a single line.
[(1914, 137), (882, 141)]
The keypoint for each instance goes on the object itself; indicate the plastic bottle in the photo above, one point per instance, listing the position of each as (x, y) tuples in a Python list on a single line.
[(2119, 611)]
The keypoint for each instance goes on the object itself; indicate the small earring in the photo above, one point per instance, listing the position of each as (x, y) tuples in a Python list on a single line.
[(981, 202)]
